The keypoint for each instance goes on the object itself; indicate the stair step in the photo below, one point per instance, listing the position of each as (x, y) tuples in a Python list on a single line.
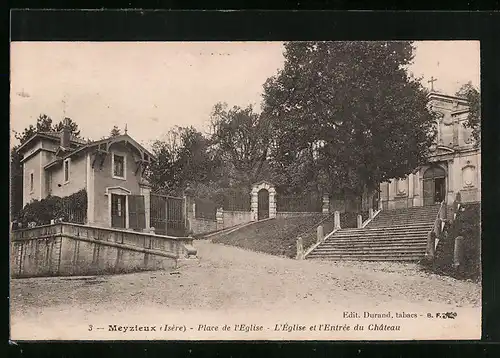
[(371, 250), (368, 258), (370, 244)]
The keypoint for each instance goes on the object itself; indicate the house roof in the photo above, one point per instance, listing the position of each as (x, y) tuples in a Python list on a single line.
[(108, 141), (54, 136)]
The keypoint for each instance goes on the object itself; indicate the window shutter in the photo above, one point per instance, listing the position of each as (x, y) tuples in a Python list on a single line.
[(141, 212), (132, 211)]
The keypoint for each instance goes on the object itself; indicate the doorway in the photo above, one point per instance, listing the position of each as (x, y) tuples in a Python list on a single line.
[(434, 185), (263, 204), (118, 211)]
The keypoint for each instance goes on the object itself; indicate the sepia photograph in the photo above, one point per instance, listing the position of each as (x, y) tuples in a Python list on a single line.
[(300, 190)]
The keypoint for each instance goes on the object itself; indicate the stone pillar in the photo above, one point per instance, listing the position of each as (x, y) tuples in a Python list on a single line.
[(272, 202), (145, 191), (189, 209), (458, 252), (326, 204), (219, 216), (410, 186), (370, 213), (416, 190), (319, 234), (254, 203), (300, 249), (431, 244), (336, 220), (360, 221)]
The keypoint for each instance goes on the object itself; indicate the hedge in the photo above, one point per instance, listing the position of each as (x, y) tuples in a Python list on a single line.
[(72, 208)]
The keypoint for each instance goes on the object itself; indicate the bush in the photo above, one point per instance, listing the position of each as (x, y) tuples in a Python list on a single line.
[(71, 208), (468, 225)]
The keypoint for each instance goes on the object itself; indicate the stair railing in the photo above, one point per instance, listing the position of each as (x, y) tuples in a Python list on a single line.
[(434, 234)]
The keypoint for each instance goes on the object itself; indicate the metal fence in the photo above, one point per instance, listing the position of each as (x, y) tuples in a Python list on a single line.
[(205, 209), (299, 203), (237, 201), (168, 215)]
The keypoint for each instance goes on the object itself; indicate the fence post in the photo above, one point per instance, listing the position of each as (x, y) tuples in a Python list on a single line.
[(219, 217), (336, 220), (360, 221), (458, 252), (300, 249), (319, 234)]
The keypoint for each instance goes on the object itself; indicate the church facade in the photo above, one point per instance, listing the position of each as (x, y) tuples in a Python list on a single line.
[(454, 165)]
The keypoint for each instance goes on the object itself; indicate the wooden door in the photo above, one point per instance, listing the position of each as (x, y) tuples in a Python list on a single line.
[(429, 191), (118, 211), (263, 204)]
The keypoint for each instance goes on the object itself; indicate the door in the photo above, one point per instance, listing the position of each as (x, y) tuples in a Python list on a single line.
[(118, 211), (136, 212), (439, 187), (263, 204), (429, 192), (434, 185)]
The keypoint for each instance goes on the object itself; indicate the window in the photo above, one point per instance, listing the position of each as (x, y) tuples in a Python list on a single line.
[(118, 166), (31, 182), (66, 170)]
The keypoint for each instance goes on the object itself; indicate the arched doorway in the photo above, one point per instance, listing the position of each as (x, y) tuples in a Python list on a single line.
[(263, 204), (434, 185)]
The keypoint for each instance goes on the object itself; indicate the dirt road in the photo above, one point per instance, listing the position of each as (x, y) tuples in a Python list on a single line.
[(227, 279)]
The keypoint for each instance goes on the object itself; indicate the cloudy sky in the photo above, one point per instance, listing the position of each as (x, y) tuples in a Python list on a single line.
[(154, 86)]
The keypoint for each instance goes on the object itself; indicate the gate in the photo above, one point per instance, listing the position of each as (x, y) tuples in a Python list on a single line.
[(263, 204), (168, 215)]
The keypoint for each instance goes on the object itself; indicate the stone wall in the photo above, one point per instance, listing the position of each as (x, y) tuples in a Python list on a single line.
[(233, 218), (68, 249), (201, 226)]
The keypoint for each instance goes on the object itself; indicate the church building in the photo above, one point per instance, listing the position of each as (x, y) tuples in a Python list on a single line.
[(454, 165)]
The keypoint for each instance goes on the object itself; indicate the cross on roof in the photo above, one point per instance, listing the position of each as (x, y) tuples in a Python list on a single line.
[(431, 81)]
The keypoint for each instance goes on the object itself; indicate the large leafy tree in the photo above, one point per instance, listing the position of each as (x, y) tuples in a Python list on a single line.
[(346, 115), (183, 158), (240, 138), (43, 124), (473, 96)]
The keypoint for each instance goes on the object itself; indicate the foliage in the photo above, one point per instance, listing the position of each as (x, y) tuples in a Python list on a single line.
[(73, 127), (183, 158), (70, 208), (346, 116), (473, 96), (240, 137), (468, 225), (115, 131)]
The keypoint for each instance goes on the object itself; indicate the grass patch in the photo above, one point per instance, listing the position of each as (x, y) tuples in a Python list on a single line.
[(276, 237)]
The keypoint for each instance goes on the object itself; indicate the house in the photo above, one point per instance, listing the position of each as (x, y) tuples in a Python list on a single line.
[(453, 167), (110, 170)]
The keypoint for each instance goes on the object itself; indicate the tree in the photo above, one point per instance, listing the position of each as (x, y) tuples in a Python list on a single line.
[(240, 138), (473, 96), (183, 158), (43, 124), (346, 116), (115, 131), (73, 127)]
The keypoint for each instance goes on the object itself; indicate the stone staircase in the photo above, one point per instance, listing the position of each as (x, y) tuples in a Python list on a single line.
[(394, 235)]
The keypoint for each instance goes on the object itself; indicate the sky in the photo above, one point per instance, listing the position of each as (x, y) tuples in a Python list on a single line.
[(153, 86)]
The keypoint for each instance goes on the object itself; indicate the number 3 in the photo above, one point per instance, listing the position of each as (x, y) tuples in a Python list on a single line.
[(90, 327)]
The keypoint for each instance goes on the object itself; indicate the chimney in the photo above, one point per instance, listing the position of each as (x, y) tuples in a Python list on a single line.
[(66, 134)]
